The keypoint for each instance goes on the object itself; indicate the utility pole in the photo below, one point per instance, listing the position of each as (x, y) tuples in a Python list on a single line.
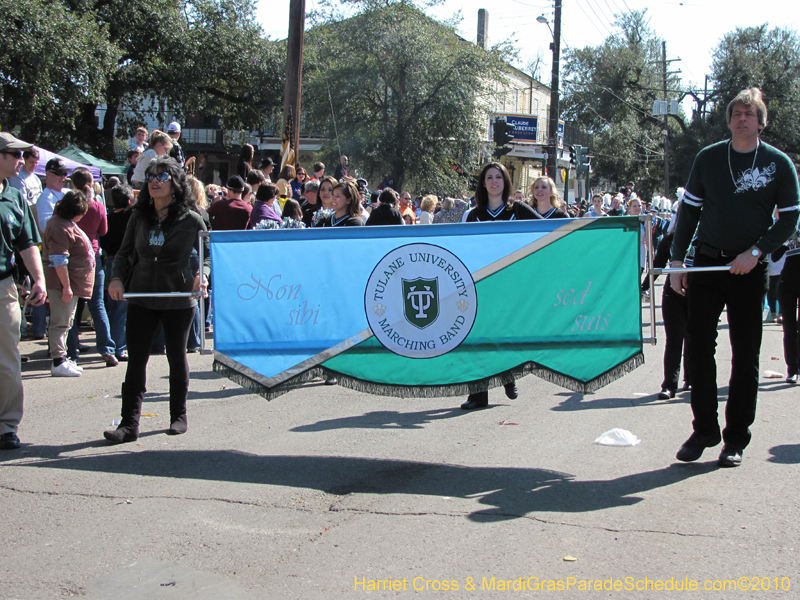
[(666, 109), (552, 156), (666, 122), (294, 82)]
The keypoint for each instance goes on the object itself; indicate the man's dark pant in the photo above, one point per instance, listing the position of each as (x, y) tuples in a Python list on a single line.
[(743, 295)]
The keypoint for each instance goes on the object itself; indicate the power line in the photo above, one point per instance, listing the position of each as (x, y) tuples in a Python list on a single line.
[(588, 18), (610, 124), (619, 10), (596, 14), (611, 10)]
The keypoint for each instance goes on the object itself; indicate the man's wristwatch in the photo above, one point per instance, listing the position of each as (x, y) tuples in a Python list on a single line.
[(755, 251)]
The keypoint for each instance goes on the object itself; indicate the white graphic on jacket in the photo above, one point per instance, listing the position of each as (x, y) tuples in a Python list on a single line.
[(755, 179), (156, 239)]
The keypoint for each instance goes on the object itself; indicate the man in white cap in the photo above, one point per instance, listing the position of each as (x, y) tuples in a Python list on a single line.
[(56, 173), (174, 131), (18, 233)]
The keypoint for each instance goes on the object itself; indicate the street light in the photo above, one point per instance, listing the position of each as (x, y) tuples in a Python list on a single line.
[(552, 157), (546, 21)]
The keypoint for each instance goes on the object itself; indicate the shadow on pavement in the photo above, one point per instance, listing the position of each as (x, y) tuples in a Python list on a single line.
[(787, 454), (384, 419), (578, 401), (507, 492)]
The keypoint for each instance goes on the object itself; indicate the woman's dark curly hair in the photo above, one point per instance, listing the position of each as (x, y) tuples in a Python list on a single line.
[(73, 203), (182, 195)]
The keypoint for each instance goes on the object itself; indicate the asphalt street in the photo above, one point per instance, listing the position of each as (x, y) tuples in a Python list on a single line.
[(328, 493)]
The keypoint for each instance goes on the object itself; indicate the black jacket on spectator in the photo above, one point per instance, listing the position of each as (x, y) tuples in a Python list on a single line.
[(385, 214)]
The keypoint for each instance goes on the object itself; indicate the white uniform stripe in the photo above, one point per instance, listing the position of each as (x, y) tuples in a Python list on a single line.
[(688, 194)]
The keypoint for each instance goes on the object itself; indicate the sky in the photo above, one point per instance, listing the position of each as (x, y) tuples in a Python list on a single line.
[(691, 29)]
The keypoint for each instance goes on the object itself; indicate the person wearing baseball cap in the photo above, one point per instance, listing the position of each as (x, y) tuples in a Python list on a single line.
[(231, 212), (18, 233), (176, 152), (56, 173), (267, 165), (55, 176)]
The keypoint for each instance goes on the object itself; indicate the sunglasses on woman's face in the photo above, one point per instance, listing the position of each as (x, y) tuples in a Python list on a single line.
[(162, 177)]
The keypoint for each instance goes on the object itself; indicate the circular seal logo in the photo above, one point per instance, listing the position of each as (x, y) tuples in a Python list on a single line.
[(420, 301)]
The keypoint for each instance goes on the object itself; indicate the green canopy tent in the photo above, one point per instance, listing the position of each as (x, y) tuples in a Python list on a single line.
[(108, 168)]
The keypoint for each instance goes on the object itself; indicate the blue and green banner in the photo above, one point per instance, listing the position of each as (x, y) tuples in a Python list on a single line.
[(428, 310)]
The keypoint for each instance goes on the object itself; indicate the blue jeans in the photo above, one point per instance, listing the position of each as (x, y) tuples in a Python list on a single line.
[(39, 320), (105, 345), (117, 314)]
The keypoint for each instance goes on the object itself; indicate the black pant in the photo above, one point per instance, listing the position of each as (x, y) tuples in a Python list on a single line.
[(788, 294), (140, 330), (743, 295), (674, 310)]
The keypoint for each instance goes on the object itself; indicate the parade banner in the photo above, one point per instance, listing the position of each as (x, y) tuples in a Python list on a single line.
[(428, 311)]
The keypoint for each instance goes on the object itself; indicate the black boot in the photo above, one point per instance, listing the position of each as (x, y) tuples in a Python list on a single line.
[(128, 430), (479, 400), (177, 417)]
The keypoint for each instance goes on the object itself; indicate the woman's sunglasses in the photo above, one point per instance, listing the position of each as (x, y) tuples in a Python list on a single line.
[(162, 177)]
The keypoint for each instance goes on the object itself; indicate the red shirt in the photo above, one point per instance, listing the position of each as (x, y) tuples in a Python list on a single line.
[(227, 215), (94, 223)]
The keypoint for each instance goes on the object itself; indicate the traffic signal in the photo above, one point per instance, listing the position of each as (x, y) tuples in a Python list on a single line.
[(501, 135), (583, 161), (574, 153)]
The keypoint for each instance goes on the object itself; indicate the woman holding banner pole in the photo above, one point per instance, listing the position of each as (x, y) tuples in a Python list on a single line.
[(155, 257), (494, 203)]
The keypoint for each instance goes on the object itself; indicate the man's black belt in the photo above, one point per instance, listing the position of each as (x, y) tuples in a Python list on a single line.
[(6, 275), (713, 252)]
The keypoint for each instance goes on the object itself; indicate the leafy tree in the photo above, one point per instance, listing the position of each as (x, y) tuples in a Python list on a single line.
[(399, 93), (609, 91), (747, 57), (768, 59), (194, 55), (52, 61)]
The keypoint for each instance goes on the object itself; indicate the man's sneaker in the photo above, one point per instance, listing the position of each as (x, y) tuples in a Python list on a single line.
[(65, 369), (9, 441), (74, 365), (731, 456)]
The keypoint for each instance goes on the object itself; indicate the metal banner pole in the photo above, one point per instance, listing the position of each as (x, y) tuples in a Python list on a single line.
[(692, 270), (648, 233), (201, 306), (655, 272)]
